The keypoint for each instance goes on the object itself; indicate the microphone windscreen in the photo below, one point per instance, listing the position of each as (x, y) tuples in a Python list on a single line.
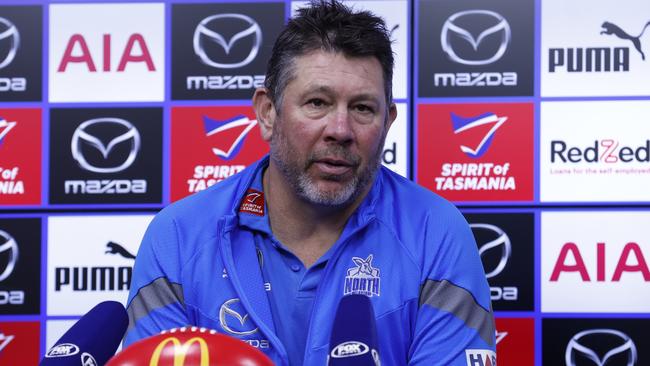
[(354, 333), (92, 340)]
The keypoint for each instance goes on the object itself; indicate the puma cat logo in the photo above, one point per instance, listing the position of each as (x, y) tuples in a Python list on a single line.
[(114, 248), (611, 28)]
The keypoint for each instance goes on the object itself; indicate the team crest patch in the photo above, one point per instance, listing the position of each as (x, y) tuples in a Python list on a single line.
[(253, 203), (362, 279)]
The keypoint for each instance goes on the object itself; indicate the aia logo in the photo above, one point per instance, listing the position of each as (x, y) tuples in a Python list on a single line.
[(5, 127), (135, 51), (477, 132), (630, 260), (227, 137)]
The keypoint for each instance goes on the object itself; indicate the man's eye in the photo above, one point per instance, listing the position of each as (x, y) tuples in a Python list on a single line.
[(318, 103), (363, 108)]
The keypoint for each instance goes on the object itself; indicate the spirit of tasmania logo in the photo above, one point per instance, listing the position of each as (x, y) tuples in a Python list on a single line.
[(20, 157), (210, 144), (476, 152)]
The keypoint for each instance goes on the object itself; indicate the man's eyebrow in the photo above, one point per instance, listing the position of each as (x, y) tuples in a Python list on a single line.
[(328, 90)]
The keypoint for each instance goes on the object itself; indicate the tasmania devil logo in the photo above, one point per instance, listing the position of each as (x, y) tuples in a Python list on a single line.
[(477, 132), (227, 136)]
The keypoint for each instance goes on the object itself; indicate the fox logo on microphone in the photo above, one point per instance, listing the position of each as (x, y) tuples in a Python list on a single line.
[(354, 349)]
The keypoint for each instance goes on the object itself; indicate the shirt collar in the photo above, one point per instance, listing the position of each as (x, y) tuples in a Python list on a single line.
[(253, 211)]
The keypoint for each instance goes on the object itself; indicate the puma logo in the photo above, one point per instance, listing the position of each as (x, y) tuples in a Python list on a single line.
[(611, 28), (114, 248)]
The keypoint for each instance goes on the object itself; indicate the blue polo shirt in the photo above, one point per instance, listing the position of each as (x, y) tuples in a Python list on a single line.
[(291, 288)]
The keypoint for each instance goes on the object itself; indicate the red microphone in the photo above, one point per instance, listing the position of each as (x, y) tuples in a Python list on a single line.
[(191, 346)]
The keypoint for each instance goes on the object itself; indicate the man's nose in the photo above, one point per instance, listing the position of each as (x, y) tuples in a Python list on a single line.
[(339, 127)]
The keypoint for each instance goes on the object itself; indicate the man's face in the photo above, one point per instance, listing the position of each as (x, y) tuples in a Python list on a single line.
[(328, 136)]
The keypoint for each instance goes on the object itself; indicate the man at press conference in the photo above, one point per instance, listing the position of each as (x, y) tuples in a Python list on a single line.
[(266, 255)]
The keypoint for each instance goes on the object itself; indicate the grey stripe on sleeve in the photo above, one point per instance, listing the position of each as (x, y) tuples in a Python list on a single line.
[(155, 295), (445, 296)]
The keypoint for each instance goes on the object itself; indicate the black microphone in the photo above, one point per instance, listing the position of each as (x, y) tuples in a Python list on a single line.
[(92, 340), (354, 334)]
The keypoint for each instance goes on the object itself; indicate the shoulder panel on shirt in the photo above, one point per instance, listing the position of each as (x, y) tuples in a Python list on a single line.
[(445, 296)]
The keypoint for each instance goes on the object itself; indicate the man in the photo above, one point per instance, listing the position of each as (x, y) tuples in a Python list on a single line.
[(266, 255)]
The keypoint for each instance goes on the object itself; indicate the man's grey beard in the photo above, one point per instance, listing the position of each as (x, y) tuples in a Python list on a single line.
[(303, 185)]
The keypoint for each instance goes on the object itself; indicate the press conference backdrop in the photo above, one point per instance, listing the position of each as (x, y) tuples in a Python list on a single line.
[(531, 116)]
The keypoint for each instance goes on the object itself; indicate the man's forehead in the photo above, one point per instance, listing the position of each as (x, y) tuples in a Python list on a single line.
[(323, 71)]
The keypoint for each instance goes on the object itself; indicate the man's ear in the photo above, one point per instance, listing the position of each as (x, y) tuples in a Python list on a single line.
[(265, 112), (392, 115)]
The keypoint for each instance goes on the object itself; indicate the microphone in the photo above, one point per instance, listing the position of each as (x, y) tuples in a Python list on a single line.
[(354, 334), (92, 340)]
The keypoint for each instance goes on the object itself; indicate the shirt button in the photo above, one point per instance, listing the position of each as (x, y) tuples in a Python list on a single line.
[(295, 267)]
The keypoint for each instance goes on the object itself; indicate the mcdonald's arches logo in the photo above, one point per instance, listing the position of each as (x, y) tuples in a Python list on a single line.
[(180, 351)]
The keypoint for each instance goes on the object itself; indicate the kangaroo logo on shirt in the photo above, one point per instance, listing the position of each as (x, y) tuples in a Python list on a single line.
[(362, 279)]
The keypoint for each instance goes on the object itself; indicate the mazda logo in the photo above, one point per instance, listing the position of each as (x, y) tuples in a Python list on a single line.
[(8, 244), (228, 311), (619, 343), (501, 241), (455, 38), (209, 31), (86, 133), (8, 34)]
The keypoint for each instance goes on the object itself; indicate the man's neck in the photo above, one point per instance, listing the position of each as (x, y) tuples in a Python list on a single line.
[(307, 229)]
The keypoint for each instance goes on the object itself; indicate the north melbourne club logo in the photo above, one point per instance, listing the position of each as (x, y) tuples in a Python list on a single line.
[(227, 136), (362, 279), (477, 132), (5, 127)]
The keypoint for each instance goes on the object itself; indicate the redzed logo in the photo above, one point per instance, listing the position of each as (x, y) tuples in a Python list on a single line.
[(253, 203), (211, 144), (476, 152)]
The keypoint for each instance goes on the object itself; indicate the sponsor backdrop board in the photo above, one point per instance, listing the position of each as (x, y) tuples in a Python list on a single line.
[(506, 245), (528, 115), (476, 152), (21, 53), (106, 52), (19, 343), (475, 48), (595, 151), (20, 156), (589, 50), (595, 262), (105, 155), (220, 50), (575, 342), (90, 260), (20, 265), (515, 341)]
